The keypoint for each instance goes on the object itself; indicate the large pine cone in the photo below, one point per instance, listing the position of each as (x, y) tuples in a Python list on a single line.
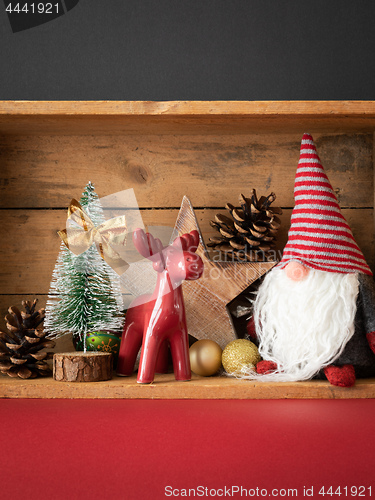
[(20, 348), (250, 234)]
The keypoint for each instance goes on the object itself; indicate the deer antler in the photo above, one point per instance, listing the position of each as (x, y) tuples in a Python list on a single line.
[(146, 244), (188, 241), (195, 243)]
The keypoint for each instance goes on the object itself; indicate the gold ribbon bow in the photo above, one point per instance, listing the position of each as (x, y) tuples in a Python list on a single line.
[(82, 233)]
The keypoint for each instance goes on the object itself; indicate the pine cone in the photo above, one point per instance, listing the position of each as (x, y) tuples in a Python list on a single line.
[(250, 234), (20, 348)]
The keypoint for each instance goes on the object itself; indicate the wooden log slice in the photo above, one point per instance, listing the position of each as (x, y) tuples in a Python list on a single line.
[(82, 366)]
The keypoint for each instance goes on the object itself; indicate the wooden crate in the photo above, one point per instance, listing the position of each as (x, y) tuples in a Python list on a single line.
[(209, 151)]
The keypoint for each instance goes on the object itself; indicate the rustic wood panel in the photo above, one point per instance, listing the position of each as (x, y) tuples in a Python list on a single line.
[(16, 300), (184, 117), (29, 244), (102, 125), (63, 344), (344, 109), (47, 171), (373, 173), (210, 151), (165, 387)]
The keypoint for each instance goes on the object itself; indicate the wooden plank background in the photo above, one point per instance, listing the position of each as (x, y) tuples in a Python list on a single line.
[(47, 171), (40, 174), (297, 109), (28, 256), (184, 117)]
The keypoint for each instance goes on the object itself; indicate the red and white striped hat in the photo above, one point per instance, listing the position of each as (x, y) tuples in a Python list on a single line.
[(319, 236)]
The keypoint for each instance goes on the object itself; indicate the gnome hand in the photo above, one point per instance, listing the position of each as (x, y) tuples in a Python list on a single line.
[(371, 341), (264, 367)]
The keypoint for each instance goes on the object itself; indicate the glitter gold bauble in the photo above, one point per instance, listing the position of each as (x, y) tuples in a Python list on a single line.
[(205, 357), (239, 354)]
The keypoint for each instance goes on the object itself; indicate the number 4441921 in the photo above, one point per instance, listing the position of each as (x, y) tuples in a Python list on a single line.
[(346, 491), (33, 8)]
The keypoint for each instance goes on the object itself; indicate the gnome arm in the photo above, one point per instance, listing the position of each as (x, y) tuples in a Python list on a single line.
[(367, 301), (371, 340), (251, 330)]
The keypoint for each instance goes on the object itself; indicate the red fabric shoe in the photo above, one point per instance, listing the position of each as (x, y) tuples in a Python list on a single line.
[(342, 376), (264, 367)]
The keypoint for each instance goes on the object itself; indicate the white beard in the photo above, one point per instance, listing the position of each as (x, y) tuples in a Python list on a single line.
[(303, 326)]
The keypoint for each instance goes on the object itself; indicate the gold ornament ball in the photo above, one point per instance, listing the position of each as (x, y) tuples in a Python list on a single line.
[(205, 357), (238, 354)]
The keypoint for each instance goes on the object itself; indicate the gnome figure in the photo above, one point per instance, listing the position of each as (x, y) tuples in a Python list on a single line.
[(314, 314)]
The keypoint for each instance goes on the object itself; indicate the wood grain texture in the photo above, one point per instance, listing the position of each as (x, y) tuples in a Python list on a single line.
[(347, 109), (166, 387), (29, 244), (209, 151), (82, 366), (183, 117), (373, 173), (209, 169)]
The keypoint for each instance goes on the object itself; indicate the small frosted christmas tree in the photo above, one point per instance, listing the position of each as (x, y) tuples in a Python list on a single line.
[(85, 293)]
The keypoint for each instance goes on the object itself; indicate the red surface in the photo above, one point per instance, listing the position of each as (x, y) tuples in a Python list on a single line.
[(133, 449)]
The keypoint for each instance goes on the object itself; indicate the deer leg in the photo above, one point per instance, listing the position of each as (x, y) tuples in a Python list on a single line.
[(130, 344), (162, 359), (180, 355), (149, 355)]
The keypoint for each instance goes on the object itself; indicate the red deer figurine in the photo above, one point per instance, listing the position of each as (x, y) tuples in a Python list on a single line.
[(156, 320)]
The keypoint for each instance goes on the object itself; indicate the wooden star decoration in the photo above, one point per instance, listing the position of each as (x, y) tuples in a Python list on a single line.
[(206, 299)]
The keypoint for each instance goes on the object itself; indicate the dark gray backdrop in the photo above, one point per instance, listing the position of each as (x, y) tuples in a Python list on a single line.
[(194, 49)]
